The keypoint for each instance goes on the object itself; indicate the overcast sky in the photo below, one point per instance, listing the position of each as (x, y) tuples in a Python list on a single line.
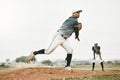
[(28, 25)]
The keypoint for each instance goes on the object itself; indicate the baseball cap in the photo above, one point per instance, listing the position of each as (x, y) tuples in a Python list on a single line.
[(95, 43), (78, 11)]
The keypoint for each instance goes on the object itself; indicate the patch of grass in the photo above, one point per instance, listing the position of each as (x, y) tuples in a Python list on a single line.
[(98, 77), (97, 67), (3, 68), (112, 67)]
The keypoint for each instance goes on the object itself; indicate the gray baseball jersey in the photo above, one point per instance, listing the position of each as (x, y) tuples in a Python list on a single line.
[(68, 27)]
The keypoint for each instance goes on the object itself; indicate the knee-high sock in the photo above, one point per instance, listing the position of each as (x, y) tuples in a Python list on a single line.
[(68, 59), (42, 51), (93, 66), (102, 66)]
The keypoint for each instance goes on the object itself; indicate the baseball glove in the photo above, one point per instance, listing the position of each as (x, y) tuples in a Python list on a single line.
[(79, 26)]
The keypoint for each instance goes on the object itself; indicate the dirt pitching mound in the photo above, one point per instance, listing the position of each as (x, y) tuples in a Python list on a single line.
[(47, 73)]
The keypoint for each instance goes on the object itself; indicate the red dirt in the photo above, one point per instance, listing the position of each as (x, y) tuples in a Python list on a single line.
[(46, 73)]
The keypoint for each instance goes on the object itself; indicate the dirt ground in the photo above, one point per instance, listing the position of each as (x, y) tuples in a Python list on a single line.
[(47, 73)]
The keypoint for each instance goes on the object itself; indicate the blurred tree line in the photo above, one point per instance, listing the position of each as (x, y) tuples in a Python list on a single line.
[(23, 59), (47, 62), (50, 63)]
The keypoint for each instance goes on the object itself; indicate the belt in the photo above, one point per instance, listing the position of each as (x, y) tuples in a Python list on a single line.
[(64, 37)]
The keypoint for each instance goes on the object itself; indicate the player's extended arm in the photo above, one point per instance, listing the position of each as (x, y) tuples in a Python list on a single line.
[(77, 29), (76, 32), (93, 55)]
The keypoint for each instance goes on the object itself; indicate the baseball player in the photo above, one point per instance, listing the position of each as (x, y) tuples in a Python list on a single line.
[(70, 26), (96, 51)]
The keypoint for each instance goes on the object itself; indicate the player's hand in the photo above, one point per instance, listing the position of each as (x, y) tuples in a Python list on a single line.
[(77, 39)]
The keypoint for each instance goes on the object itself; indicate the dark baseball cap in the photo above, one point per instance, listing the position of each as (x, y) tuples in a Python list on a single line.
[(79, 11), (95, 43)]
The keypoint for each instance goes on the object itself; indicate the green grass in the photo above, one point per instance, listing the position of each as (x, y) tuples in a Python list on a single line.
[(3, 68), (99, 77), (112, 67), (97, 67)]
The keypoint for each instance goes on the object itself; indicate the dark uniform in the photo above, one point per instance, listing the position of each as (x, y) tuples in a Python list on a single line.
[(96, 51)]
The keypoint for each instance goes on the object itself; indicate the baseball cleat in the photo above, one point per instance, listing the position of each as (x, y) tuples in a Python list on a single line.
[(102, 69), (68, 68), (30, 57)]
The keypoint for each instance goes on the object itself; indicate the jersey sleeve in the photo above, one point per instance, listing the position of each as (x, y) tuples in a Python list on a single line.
[(76, 29), (99, 47), (75, 23), (76, 32), (93, 49)]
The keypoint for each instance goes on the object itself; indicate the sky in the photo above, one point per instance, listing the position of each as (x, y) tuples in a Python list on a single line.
[(28, 25)]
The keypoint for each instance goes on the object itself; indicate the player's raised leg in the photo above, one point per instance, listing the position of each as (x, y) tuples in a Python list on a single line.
[(57, 40), (32, 55)]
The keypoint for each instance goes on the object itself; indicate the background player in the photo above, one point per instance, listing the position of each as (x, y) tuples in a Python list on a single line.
[(61, 38), (96, 51)]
